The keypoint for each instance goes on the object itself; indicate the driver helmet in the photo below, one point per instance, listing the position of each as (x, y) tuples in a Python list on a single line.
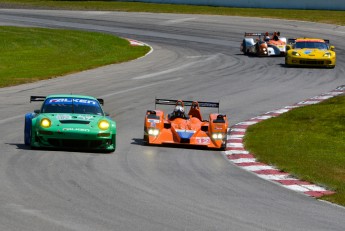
[(267, 38), (179, 110)]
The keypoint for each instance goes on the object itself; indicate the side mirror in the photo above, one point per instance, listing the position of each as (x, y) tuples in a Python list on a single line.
[(332, 48), (37, 111), (288, 47), (106, 114)]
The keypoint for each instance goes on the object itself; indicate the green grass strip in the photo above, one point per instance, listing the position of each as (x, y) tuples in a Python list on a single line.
[(308, 142), (324, 16), (31, 54)]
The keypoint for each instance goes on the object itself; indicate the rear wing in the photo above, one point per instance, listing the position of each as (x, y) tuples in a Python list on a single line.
[(262, 34), (253, 34), (37, 98), (187, 103), (42, 98)]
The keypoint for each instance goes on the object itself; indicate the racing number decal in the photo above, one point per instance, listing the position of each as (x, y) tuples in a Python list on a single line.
[(63, 117), (203, 140)]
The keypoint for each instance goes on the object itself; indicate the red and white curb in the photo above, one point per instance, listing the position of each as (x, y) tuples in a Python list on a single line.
[(238, 155), (136, 43), (133, 42)]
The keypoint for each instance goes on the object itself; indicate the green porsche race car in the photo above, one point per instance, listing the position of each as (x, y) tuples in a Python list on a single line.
[(70, 121)]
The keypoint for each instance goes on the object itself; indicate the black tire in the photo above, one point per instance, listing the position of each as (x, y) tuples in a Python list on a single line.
[(146, 140), (244, 47)]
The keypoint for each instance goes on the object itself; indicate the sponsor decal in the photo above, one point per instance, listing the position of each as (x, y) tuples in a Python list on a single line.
[(187, 131), (153, 122), (281, 47), (307, 52), (64, 117), (76, 129), (70, 101), (69, 117), (84, 117), (186, 134), (203, 140), (208, 104)]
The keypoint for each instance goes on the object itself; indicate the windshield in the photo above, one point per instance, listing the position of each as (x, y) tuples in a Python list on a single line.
[(311, 45), (72, 105)]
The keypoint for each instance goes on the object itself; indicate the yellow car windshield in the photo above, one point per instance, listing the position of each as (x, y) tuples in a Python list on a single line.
[(311, 45)]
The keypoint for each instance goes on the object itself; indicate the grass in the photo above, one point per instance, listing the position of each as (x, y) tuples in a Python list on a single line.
[(308, 142), (31, 54), (324, 16)]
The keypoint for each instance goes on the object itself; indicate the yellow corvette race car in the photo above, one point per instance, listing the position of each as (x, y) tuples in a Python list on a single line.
[(310, 52)]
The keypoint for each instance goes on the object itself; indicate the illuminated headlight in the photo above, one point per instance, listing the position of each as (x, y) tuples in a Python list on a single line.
[(153, 132), (327, 55), (217, 136), (295, 53), (46, 123), (264, 49), (103, 125)]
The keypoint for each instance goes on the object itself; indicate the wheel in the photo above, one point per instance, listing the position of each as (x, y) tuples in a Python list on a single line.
[(27, 131), (146, 140), (244, 47)]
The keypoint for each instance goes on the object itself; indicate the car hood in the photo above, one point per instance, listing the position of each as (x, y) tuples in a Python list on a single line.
[(185, 128), (60, 118), (311, 52)]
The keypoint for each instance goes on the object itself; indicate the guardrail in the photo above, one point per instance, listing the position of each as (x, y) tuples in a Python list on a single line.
[(275, 4)]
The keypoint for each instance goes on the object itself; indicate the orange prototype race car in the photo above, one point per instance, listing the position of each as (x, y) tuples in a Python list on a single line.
[(190, 129), (266, 44)]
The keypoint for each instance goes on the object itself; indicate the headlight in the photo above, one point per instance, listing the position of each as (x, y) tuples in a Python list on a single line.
[(153, 132), (327, 54), (295, 53), (217, 136), (103, 125), (46, 123)]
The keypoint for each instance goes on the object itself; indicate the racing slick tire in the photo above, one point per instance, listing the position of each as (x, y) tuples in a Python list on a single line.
[(244, 47), (27, 130), (286, 63), (146, 140)]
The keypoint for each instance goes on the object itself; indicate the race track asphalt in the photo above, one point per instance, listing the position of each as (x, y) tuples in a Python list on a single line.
[(140, 187)]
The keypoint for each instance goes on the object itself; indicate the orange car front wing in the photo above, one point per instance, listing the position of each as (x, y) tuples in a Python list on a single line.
[(171, 136)]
